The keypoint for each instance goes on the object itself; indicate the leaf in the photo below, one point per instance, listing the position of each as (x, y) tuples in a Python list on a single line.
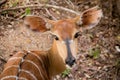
[(27, 11), (95, 53), (66, 73)]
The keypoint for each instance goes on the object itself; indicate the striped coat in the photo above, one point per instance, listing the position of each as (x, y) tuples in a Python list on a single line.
[(31, 65), (41, 65)]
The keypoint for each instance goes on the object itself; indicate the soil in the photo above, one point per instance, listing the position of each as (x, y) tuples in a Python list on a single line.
[(102, 39)]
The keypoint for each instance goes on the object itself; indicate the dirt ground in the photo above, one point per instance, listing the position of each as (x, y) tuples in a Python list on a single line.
[(97, 57)]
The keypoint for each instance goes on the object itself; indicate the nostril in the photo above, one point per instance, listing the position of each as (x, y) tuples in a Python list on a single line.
[(70, 61), (66, 61), (73, 60)]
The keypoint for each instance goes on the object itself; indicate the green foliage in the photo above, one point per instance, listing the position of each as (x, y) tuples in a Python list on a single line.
[(27, 11), (14, 3), (95, 53), (66, 73)]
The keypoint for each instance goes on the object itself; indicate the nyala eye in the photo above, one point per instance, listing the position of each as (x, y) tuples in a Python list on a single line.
[(77, 34), (55, 37)]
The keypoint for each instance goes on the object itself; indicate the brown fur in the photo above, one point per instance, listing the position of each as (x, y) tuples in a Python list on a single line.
[(28, 66), (35, 23), (65, 29), (50, 62), (53, 60)]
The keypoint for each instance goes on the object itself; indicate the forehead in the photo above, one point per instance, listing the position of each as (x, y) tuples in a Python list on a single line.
[(64, 28)]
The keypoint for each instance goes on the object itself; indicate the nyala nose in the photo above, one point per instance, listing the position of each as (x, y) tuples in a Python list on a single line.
[(70, 61)]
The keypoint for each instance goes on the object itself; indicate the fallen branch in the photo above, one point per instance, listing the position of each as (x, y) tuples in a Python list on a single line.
[(40, 6)]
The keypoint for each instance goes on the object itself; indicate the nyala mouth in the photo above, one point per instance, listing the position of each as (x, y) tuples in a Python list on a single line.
[(70, 67)]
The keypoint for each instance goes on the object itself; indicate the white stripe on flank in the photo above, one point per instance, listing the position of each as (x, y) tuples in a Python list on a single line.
[(22, 78), (16, 66), (14, 58), (6, 77), (29, 73), (26, 71), (36, 67), (36, 56)]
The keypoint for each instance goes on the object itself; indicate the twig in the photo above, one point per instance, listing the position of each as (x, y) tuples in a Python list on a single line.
[(50, 14), (54, 2), (40, 6), (2, 2), (70, 3), (11, 18), (3, 60)]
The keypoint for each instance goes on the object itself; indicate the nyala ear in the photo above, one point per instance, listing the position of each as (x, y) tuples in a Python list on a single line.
[(35, 23), (91, 17)]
